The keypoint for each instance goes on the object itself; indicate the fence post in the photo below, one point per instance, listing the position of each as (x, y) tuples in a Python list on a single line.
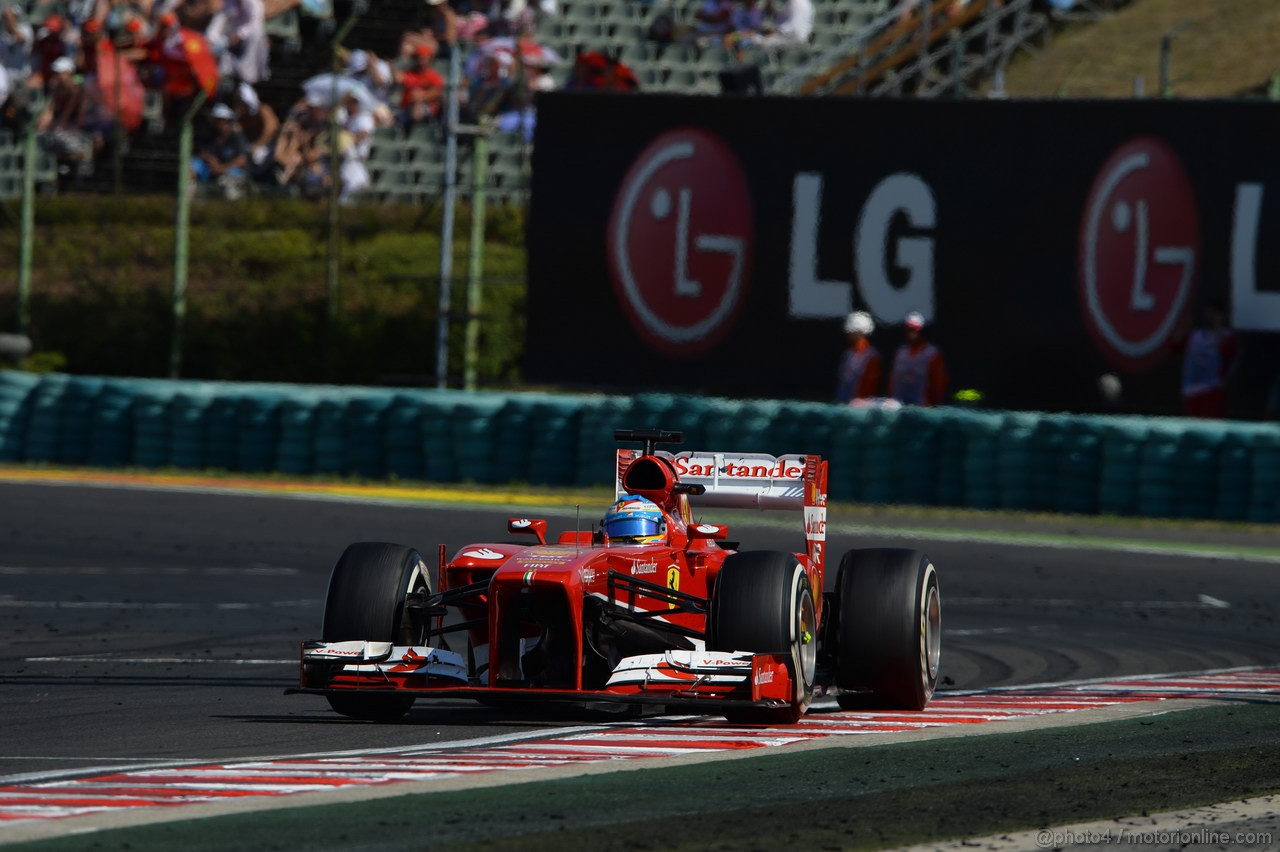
[(117, 129), (957, 67), (479, 177), (335, 168), (446, 224), (25, 250), (1166, 51), (1166, 59), (181, 234)]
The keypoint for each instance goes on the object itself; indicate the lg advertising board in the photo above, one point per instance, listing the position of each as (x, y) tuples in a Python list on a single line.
[(714, 245)]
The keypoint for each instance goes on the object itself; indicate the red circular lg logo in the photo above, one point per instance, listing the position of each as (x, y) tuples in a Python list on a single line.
[(1139, 250), (680, 240)]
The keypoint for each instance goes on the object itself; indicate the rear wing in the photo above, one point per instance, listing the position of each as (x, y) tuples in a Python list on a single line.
[(751, 481), (741, 480)]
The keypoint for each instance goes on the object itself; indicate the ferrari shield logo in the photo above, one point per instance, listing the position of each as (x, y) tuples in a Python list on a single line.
[(673, 582)]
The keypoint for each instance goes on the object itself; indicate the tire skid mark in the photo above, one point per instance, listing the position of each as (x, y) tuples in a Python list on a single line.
[(667, 737)]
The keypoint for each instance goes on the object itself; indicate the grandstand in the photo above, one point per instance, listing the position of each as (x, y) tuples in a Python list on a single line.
[(858, 48), (621, 27)]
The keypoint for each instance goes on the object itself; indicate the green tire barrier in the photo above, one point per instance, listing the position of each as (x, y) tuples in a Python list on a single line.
[(1113, 465), (600, 416), (475, 422), (152, 426), (296, 450), (1264, 488), (188, 418), (45, 420), (843, 480), (405, 437), (17, 393), (111, 425), (365, 435), (75, 426)]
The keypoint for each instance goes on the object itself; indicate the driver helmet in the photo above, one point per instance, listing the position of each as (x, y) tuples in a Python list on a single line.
[(634, 520)]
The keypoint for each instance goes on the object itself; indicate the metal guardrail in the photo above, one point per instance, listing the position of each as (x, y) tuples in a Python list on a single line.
[(12, 164)]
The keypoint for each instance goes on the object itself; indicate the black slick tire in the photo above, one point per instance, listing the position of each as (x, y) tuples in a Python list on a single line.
[(888, 629), (762, 602), (368, 590)]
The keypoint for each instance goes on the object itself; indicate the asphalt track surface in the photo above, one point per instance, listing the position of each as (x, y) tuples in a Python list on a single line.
[(143, 625)]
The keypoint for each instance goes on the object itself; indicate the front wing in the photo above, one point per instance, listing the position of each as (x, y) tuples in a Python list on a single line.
[(709, 680)]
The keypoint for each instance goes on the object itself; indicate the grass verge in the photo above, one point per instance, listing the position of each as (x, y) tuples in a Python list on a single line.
[(1218, 50)]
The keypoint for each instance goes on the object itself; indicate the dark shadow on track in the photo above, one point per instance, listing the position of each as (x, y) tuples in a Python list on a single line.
[(137, 680), (475, 716)]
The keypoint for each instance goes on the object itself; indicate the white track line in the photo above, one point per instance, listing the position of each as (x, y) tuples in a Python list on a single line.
[(1204, 602), (106, 658)]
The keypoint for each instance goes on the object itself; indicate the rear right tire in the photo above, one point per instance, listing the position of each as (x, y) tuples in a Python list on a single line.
[(888, 629)]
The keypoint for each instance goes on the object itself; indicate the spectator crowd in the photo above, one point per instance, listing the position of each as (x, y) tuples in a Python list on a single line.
[(92, 74)]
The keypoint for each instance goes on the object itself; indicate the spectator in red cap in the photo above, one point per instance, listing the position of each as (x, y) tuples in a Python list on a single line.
[(132, 41), (919, 374), (90, 36), (595, 70), (48, 48), (422, 88), (180, 62)]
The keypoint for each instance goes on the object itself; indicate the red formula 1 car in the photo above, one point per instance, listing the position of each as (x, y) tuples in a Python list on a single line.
[(654, 607)]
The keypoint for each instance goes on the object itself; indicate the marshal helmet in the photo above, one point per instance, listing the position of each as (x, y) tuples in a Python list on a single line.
[(859, 322)]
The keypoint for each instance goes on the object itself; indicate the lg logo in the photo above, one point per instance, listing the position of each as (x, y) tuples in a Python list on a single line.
[(682, 231), (1139, 246), (875, 246), (680, 239), (1140, 253)]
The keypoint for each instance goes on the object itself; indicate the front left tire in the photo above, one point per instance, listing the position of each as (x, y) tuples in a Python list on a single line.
[(369, 591), (762, 602)]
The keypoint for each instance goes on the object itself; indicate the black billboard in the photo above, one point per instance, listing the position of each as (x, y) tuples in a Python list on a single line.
[(714, 245)]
